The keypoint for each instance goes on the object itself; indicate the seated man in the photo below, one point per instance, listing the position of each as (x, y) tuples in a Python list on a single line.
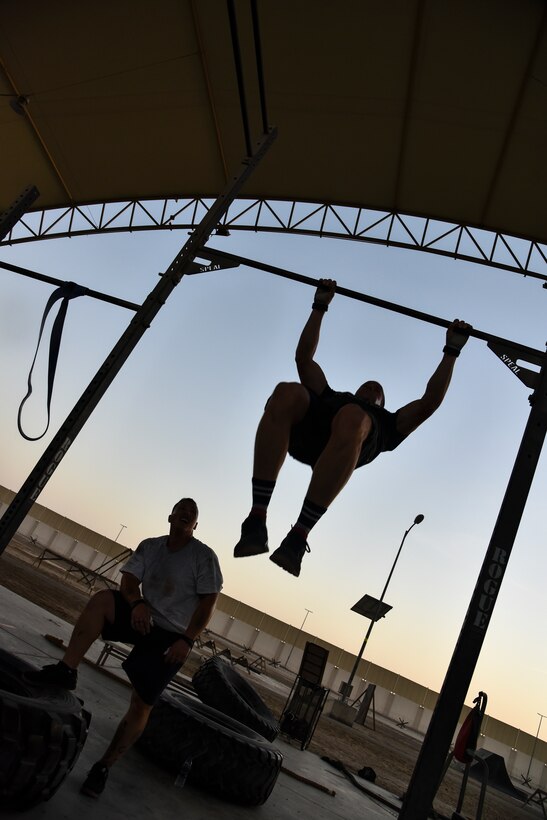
[(333, 432), (167, 596)]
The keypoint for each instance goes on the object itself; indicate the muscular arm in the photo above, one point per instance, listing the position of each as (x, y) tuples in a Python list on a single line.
[(412, 415), (179, 651), (310, 373), (130, 587), (202, 614)]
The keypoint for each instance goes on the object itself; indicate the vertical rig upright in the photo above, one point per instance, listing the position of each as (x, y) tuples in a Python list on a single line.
[(427, 774)]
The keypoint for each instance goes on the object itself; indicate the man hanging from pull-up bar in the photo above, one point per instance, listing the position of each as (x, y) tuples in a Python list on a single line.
[(333, 432)]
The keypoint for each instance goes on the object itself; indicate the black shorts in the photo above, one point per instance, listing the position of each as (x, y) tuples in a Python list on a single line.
[(145, 665), (309, 437)]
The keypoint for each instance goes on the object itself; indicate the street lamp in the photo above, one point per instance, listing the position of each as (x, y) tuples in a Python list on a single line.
[(526, 778), (308, 612), (377, 614), (123, 527), (111, 562)]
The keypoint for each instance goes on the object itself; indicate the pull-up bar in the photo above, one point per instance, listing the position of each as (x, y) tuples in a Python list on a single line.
[(41, 277), (528, 353)]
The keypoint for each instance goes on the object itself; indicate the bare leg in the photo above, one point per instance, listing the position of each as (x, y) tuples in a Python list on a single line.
[(287, 406), (350, 428), (89, 626), (129, 730)]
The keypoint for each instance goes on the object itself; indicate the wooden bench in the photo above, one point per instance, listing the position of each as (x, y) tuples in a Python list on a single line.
[(120, 651), (210, 644), (539, 797), (114, 650), (87, 575), (257, 665)]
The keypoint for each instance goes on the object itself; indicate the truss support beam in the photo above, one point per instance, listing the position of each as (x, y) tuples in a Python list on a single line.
[(518, 350), (427, 774), (10, 217), (473, 244), (62, 441)]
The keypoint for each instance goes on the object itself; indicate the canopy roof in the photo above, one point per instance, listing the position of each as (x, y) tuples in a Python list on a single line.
[(422, 107)]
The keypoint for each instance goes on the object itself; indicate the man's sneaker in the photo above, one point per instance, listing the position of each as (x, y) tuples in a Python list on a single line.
[(56, 674), (95, 781), (290, 552), (254, 538)]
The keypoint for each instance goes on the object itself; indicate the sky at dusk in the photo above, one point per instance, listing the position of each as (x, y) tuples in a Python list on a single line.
[(180, 420)]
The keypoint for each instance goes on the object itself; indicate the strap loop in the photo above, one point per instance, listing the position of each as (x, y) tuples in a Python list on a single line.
[(66, 292)]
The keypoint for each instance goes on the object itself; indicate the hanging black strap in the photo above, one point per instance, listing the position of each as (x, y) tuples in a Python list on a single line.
[(66, 292)]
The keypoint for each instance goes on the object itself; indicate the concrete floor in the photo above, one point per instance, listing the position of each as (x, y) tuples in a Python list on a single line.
[(138, 789)]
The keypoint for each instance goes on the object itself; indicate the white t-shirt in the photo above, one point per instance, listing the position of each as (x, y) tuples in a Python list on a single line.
[(172, 582)]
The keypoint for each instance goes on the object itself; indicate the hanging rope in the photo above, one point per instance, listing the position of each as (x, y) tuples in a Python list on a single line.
[(66, 292)]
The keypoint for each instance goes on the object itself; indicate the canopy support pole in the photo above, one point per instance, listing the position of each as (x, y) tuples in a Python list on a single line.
[(13, 214)]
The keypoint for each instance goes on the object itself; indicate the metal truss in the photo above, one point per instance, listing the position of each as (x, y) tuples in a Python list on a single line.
[(516, 254)]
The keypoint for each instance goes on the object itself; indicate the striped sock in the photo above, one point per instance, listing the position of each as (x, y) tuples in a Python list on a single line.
[(262, 492), (308, 518)]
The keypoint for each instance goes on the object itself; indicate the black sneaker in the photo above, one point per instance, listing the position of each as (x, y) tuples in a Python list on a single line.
[(56, 674), (254, 538), (290, 552), (95, 781)]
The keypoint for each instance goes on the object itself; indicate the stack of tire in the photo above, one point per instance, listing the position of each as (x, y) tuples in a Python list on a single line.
[(226, 737), (42, 732)]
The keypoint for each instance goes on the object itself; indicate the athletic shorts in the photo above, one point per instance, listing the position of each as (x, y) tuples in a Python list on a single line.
[(309, 437), (145, 665)]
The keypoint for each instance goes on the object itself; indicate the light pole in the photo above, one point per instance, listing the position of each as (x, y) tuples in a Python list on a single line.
[(347, 688), (111, 562), (123, 527), (308, 612), (526, 778)]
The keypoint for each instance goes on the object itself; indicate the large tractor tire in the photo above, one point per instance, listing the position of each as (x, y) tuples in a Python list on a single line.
[(228, 758), (42, 732), (220, 686)]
